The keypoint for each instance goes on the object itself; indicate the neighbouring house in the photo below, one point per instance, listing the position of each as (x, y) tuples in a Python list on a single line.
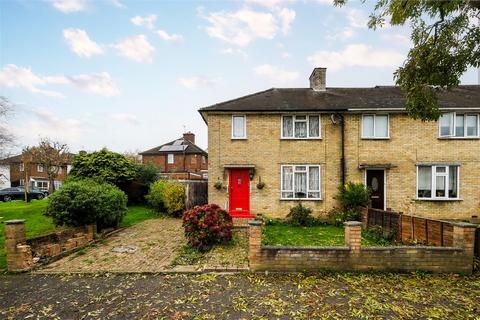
[(4, 176), (37, 175), (179, 159), (303, 143)]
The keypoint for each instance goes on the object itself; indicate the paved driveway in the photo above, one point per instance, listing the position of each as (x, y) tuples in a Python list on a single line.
[(149, 246)]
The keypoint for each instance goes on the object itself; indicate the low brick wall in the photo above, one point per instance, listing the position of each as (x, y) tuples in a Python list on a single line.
[(352, 256), (22, 254)]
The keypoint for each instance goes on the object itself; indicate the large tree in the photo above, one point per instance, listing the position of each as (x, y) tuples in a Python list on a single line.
[(446, 41), (6, 138), (53, 155)]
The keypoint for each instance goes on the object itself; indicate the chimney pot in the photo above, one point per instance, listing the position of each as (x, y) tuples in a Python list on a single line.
[(318, 79), (189, 136)]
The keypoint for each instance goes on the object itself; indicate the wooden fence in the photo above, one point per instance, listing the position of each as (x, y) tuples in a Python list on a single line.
[(196, 193), (408, 228)]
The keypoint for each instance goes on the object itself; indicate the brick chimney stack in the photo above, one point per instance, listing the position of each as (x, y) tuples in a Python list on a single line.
[(318, 79), (189, 136)]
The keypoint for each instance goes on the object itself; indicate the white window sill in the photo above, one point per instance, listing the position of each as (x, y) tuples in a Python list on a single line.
[(243, 138), (439, 199), (375, 138), (300, 199), (314, 138), (458, 138)]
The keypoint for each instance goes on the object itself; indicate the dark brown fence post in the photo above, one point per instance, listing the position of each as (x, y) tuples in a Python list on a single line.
[(400, 223)]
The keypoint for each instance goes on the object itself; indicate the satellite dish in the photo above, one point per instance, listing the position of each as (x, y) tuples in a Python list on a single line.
[(336, 118)]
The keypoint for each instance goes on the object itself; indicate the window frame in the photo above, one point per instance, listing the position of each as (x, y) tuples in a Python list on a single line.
[(172, 157), (307, 182), (454, 128), (244, 126), (307, 119), (434, 175), (374, 117), (21, 167), (42, 166)]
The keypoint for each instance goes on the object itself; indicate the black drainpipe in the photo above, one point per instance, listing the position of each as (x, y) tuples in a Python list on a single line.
[(342, 159)]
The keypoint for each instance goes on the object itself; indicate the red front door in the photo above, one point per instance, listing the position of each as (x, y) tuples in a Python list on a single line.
[(239, 189)]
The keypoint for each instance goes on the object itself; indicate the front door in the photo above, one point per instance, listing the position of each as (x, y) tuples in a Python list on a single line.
[(375, 181), (239, 190)]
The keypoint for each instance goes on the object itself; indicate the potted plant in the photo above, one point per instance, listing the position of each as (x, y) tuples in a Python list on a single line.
[(218, 185)]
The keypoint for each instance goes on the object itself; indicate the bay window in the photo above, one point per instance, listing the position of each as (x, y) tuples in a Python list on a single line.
[(458, 125), (375, 126), (301, 127), (437, 182), (300, 182)]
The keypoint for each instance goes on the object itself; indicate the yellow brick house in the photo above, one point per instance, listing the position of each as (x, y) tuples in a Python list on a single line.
[(275, 148)]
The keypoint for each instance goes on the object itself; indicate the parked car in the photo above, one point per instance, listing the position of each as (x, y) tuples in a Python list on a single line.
[(18, 193)]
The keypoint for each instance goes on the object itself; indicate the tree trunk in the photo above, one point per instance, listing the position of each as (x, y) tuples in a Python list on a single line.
[(51, 184)]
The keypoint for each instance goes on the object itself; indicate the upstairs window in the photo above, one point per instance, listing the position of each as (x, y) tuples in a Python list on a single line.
[(300, 182), (39, 167), (170, 158), (301, 127), (458, 125), (239, 129), (375, 126), (437, 182), (21, 167)]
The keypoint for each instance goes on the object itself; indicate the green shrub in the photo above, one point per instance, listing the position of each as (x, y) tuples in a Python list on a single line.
[(83, 202), (206, 225), (353, 195), (166, 196), (147, 173), (300, 216)]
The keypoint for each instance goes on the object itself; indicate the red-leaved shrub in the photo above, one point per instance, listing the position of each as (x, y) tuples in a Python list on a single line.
[(206, 225)]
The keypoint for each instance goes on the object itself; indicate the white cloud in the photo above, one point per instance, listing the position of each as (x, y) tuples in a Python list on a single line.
[(68, 6), (341, 34), (356, 18), (136, 48), (286, 55), (117, 4), (276, 74), (169, 37), (234, 51), (13, 76), (127, 118), (97, 83), (246, 25), (43, 122), (356, 55), (397, 39), (271, 3), (195, 82), (80, 43), (147, 21), (286, 17)]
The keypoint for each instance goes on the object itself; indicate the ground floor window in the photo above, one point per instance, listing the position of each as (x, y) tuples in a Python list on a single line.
[(437, 182), (300, 182), (42, 185)]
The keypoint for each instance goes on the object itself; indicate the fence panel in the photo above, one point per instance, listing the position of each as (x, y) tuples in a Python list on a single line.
[(196, 193)]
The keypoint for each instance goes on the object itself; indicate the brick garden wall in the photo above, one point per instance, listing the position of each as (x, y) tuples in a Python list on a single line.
[(458, 258), (22, 254)]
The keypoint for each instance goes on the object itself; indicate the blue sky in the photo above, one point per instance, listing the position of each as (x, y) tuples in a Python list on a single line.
[(130, 75)]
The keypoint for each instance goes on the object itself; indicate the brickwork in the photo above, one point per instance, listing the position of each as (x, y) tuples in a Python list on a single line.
[(16, 174), (22, 253), (411, 142), (458, 259), (189, 162)]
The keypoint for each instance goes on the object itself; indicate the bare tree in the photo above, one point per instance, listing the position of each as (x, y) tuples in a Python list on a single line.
[(6, 138), (53, 155)]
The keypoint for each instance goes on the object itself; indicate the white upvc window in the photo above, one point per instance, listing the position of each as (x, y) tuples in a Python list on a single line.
[(239, 127), (21, 182), (301, 127), (459, 125), (375, 126), (300, 182), (21, 167), (39, 167), (170, 158), (438, 182)]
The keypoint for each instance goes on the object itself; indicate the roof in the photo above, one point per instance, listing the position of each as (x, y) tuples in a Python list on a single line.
[(18, 159), (341, 99), (180, 145)]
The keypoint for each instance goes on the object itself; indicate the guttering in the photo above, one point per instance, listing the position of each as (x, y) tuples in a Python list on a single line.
[(403, 109)]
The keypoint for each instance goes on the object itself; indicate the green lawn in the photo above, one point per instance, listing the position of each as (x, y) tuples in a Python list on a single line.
[(323, 235), (37, 224)]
